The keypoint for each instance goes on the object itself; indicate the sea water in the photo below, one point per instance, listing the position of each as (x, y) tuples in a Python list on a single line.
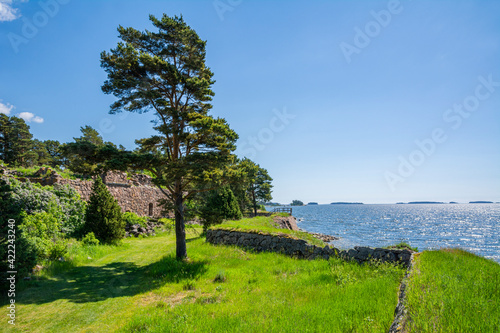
[(473, 227)]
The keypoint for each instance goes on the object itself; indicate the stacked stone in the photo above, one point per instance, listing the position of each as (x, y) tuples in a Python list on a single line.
[(300, 249), (363, 253), (135, 230), (281, 244)]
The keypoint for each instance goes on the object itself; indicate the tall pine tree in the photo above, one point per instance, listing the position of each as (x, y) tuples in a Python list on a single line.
[(164, 72), (16, 144)]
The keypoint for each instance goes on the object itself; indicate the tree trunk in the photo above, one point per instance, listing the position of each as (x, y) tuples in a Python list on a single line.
[(180, 231), (254, 204)]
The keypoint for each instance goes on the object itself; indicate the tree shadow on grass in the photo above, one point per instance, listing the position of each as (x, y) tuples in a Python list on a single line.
[(85, 284)]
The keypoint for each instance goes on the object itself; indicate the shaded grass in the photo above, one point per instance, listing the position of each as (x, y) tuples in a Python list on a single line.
[(453, 290), (140, 286), (266, 225)]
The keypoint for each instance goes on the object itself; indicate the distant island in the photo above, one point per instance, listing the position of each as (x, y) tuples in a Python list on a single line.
[(400, 203), (424, 202), (346, 203), (474, 202), (271, 204), (297, 203), (453, 202), (312, 203)]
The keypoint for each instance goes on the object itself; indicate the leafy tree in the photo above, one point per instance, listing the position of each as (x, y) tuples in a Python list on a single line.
[(104, 217), (91, 135), (165, 72), (81, 155), (53, 149), (220, 205), (257, 183), (42, 154), (16, 142), (297, 203)]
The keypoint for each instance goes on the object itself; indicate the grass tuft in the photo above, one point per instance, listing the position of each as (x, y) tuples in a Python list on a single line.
[(220, 277)]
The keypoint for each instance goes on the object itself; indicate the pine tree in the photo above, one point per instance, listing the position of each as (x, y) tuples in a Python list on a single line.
[(104, 216), (164, 71), (16, 145)]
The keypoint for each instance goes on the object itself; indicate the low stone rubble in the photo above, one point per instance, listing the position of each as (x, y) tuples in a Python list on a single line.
[(136, 230)]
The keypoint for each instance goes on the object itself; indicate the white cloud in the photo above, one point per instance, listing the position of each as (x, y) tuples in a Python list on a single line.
[(30, 117), (7, 13), (6, 108)]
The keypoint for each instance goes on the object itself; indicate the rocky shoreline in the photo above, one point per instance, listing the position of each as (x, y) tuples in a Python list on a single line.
[(290, 222), (323, 237)]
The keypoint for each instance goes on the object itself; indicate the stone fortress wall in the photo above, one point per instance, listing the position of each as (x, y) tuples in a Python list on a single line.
[(135, 194)]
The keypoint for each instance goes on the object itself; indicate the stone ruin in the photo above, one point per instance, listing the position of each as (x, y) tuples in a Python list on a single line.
[(135, 193)]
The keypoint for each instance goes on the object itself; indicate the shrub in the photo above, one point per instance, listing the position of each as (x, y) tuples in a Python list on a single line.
[(25, 254), (220, 205), (133, 218), (69, 209), (168, 224), (104, 217), (43, 235), (63, 202), (90, 239), (43, 217)]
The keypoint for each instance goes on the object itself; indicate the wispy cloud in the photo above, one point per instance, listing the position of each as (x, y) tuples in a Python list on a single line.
[(7, 13), (6, 108), (30, 117)]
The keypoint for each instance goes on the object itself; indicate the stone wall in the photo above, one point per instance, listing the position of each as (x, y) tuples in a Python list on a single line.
[(301, 249), (134, 194)]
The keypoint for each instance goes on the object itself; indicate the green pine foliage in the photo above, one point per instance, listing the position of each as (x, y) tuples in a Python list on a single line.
[(104, 217), (220, 205)]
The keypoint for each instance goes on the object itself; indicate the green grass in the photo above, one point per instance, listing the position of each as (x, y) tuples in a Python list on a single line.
[(140, 287), (282, 214), (30, 172), (265, 225), (402, 246), (454, 291)]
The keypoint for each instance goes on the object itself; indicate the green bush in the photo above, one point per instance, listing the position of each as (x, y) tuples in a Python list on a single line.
[(63, 202), (25, 254), (104, 217), (43, 217), (168, 224), (90, 239), (219, 206), (43, 235), (133, 218)]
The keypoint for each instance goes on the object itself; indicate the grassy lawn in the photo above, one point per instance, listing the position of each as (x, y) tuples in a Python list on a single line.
[(265, 225), (140, 287), (454, 291)]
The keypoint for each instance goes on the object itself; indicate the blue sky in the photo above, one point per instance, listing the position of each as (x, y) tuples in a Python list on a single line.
[(372, 101)]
